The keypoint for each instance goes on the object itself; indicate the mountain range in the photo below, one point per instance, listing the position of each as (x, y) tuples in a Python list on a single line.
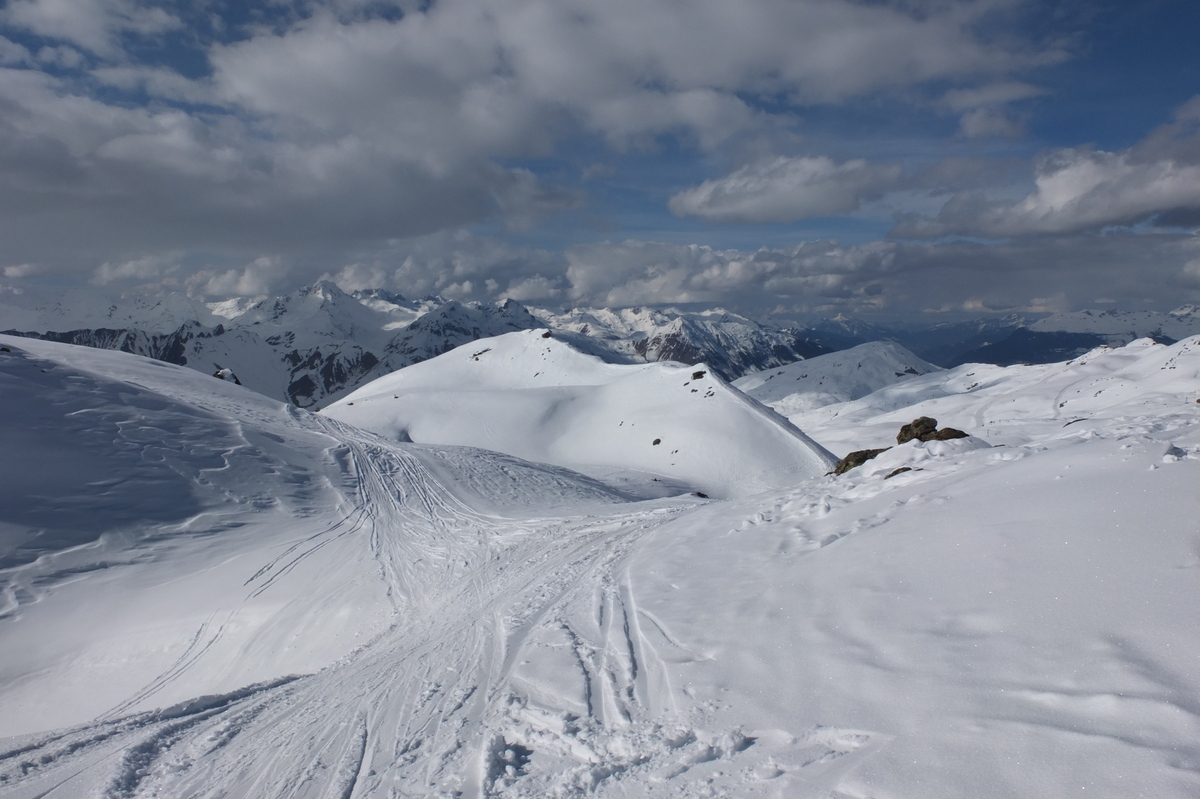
[(319, 343)]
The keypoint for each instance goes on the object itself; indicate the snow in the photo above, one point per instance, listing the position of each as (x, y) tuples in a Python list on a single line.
[(835, 377), (213, 594), (539, 399), (1124, 326)]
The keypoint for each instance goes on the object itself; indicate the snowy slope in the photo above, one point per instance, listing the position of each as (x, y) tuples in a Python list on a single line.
[(836, 377), (999, 622), (730, 344), (539, 399), (158, 522), (1125, 325), (1015, 405)]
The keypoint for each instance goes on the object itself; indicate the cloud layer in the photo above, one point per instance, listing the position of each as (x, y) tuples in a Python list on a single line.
[(243, 148), (786, 189), (1080, 189), (332, 125)]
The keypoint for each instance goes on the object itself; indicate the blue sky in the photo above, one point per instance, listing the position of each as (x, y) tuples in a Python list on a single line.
[(799, 156)]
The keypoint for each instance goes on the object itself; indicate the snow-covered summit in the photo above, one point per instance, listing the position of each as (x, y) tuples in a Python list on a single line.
[(730, 344), (836, 377), (535, 397), (1124, 326)]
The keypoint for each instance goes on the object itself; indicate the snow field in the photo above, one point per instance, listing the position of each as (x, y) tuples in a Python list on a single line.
[(999, 621), (833, 378), (538, 399)]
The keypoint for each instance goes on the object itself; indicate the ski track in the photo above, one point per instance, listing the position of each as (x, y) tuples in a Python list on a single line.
[(436, 705)]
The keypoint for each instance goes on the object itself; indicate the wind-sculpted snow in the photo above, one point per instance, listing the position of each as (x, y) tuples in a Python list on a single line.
[(997, 621), (836, 377), (532, 396)]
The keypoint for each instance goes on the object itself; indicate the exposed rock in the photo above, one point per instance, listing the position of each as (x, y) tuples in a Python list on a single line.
[(921, 429), (895, 472), (925, 429), (856, 458)]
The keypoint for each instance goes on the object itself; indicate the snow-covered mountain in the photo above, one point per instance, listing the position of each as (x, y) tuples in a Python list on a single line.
[(729, 344), (1063, 336), (1125, 326), (207, 592), (836, 377), (319, 343), (530, 395), (315, 343)]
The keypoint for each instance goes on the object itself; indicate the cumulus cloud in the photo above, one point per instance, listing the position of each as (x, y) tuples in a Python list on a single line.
[(785, 189), (353, 277), (259, 277), (12, 53), (21, 270), (984, 109), (1081, 189), (146, 268), (94, 25), (815, 277), (537, 288), (339, 128)]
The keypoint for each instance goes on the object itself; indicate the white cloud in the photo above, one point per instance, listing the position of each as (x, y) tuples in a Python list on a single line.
[(329, 133), (785, 189), (983, 108), (148, 267), (537, 288), (21, 270), (992, 94), (1076, 190), (92, 24), (354, 277), (987, 123), (1082, 189), (256, 278), (12, 53)]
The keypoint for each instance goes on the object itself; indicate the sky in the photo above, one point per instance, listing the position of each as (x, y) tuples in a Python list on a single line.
[(883, 157)]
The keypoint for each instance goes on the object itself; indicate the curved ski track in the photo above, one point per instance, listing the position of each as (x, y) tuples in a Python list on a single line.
[(429, 707)]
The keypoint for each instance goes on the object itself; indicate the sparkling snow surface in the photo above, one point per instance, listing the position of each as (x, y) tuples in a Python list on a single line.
[(207, 593)]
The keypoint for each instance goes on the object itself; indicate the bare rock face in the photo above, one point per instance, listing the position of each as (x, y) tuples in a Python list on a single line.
[(922, 429), (856, 458), (925, 429)]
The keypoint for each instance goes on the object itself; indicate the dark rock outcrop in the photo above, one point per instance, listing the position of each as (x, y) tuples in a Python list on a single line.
[(856, 458), (925, 429)]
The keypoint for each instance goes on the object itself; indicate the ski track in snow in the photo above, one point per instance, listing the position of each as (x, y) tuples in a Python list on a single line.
[(433, 698), (522, 660)]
